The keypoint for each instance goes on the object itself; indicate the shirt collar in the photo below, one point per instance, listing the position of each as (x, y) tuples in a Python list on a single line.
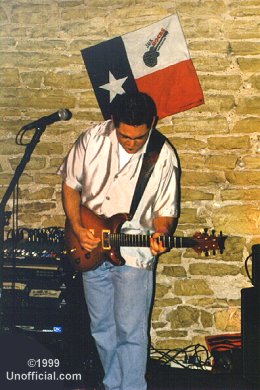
[(113, 137)]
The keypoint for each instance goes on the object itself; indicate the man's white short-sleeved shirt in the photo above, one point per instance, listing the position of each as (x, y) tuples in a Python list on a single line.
[(92, 167)]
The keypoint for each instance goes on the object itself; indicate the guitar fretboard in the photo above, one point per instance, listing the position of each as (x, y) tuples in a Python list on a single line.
[(140, 240)]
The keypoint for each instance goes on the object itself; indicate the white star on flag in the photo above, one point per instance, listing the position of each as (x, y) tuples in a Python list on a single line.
[(114, 86)]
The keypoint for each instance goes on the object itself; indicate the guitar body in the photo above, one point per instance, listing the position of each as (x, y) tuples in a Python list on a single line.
[(101, 227)]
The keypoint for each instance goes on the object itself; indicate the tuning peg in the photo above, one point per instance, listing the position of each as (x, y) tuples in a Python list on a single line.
[(206, 230), (206, 253), (213, 232), (221, 248)]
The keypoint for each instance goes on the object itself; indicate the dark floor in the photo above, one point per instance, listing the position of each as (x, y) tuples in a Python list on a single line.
[(75, 350), (17, 350), (183, 379), (166, 378)]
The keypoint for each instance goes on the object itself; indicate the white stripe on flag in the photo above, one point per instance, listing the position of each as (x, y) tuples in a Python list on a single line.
[(171, 49)]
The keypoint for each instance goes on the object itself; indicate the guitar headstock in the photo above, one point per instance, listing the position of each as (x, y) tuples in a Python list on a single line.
[(209, 242)]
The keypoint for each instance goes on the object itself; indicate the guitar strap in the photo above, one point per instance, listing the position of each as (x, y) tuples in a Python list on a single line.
[(151, 155)]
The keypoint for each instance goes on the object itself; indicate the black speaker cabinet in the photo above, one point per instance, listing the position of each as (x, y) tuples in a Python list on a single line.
[(250, 307)]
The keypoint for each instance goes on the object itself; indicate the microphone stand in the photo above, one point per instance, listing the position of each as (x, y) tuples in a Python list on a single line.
[(3, 215)]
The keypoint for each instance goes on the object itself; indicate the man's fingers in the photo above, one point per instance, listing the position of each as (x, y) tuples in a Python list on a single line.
[(88, 241), (156, 245), (89, 246)]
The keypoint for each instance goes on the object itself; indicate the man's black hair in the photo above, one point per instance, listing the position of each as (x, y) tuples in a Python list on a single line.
[(134, 109)]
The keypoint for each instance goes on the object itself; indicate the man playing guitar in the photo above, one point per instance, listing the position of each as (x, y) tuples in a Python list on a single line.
[(100, 174)]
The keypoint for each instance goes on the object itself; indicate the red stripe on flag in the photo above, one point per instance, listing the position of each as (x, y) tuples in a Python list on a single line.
[(174, 89)]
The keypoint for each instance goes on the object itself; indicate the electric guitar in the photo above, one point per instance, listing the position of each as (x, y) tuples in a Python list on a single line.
[(108, 230)]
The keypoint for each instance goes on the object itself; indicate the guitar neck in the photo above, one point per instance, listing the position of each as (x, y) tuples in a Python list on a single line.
[(140, 240)]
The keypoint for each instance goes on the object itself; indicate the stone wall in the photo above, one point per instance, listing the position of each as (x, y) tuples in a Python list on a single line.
[(41, 70)]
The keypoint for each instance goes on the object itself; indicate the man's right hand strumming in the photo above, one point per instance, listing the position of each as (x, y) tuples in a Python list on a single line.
[(71, 203), (86, 239)]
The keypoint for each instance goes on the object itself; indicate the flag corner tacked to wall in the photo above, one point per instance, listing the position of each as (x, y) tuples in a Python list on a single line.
[(154, 59)]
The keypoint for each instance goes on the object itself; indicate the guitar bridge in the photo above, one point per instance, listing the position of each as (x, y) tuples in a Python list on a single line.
[(106, 239)]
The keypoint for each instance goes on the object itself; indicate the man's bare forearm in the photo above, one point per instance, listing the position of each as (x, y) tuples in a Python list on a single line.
[(71, 204), (165, 225)]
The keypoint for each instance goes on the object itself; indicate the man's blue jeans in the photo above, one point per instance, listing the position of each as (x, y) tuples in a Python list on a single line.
[(119, 301)]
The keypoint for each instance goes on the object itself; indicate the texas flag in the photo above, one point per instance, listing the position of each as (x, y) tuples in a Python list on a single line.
[(154, 59)]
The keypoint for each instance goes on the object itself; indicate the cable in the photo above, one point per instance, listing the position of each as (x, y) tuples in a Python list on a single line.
[(191, 356), (19, 137), (246, 267)]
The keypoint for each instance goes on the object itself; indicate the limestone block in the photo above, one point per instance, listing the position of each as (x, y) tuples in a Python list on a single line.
[(188, 287)]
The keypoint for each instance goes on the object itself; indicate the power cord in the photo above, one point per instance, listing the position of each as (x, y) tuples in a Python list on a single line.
[(246, 267), (193, 356)]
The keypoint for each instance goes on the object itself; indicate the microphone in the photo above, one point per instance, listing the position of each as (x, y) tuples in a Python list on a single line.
[(62, 115)]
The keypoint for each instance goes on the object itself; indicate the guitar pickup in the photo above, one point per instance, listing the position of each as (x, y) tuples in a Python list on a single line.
[(106, 239)]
